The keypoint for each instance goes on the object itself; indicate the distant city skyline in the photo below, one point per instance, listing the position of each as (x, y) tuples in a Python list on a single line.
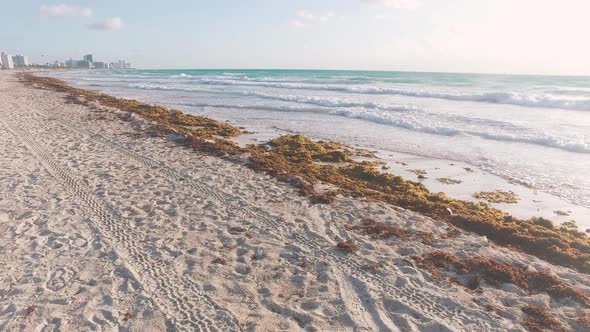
[(9, 61), (88, 62), (501, 36)]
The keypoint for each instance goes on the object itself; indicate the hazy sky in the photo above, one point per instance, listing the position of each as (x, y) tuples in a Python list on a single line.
[(498, 36)]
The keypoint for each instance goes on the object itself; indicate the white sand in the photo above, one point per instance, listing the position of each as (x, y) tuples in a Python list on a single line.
[(104, 227)]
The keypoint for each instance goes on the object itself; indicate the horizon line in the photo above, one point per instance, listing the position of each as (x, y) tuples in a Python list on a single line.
[(379, 70)]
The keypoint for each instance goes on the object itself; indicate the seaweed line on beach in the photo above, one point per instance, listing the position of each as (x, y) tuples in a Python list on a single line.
[(295, 159)]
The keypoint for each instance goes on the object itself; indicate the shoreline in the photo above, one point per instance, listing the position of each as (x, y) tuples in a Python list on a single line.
[(219, 225), (540, 196), (359, 179)]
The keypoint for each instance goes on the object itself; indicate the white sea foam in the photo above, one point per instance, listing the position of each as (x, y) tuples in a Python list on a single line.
[(407, 122), (542, 139), (330, 102), (313, 100), (181, 75), (519, 99), (156, 87), (417, 122)]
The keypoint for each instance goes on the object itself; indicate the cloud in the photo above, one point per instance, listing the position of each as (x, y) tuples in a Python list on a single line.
[(297, 23), (396, 4), (63, 10), (111, 24), (305, 18), (305, 15)]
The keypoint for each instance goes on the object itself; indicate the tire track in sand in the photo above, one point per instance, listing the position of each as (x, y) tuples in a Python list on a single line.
[(177, 296)]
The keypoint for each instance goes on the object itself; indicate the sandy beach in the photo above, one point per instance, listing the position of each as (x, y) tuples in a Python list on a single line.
[(109, 224)]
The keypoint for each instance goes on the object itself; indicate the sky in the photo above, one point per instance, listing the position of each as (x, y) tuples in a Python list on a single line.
[(483, 36)]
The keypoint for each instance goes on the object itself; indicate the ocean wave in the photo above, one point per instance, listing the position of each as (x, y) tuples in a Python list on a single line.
[(401, 122), (144, 86), (347, 103), (416, 123), (407, 123), (108, 79), (340, 102), (545, 140), (325, 102), (232, 74), (181, 75), (331, 102), (338, 80), (511, 98), (104, 76)]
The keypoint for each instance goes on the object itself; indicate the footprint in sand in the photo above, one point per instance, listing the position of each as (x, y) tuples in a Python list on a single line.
[(4, 217), (59, 279)]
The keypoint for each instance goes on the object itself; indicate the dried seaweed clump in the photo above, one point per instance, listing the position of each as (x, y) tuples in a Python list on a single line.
[(419, 172), (539, 319), (379, 230), (570, 227), (299, 148), (496, 273), (448, 181), (584, 321), (497, 196), (347, 246)]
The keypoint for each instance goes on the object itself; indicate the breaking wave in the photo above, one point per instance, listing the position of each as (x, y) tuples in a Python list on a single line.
[(511, 98), (415, 122)]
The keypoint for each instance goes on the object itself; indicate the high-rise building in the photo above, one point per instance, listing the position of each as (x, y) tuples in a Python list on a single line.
[(71, 63), (100, 65), (88, 57), (6, 61), (84, 64), (20, 60)]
